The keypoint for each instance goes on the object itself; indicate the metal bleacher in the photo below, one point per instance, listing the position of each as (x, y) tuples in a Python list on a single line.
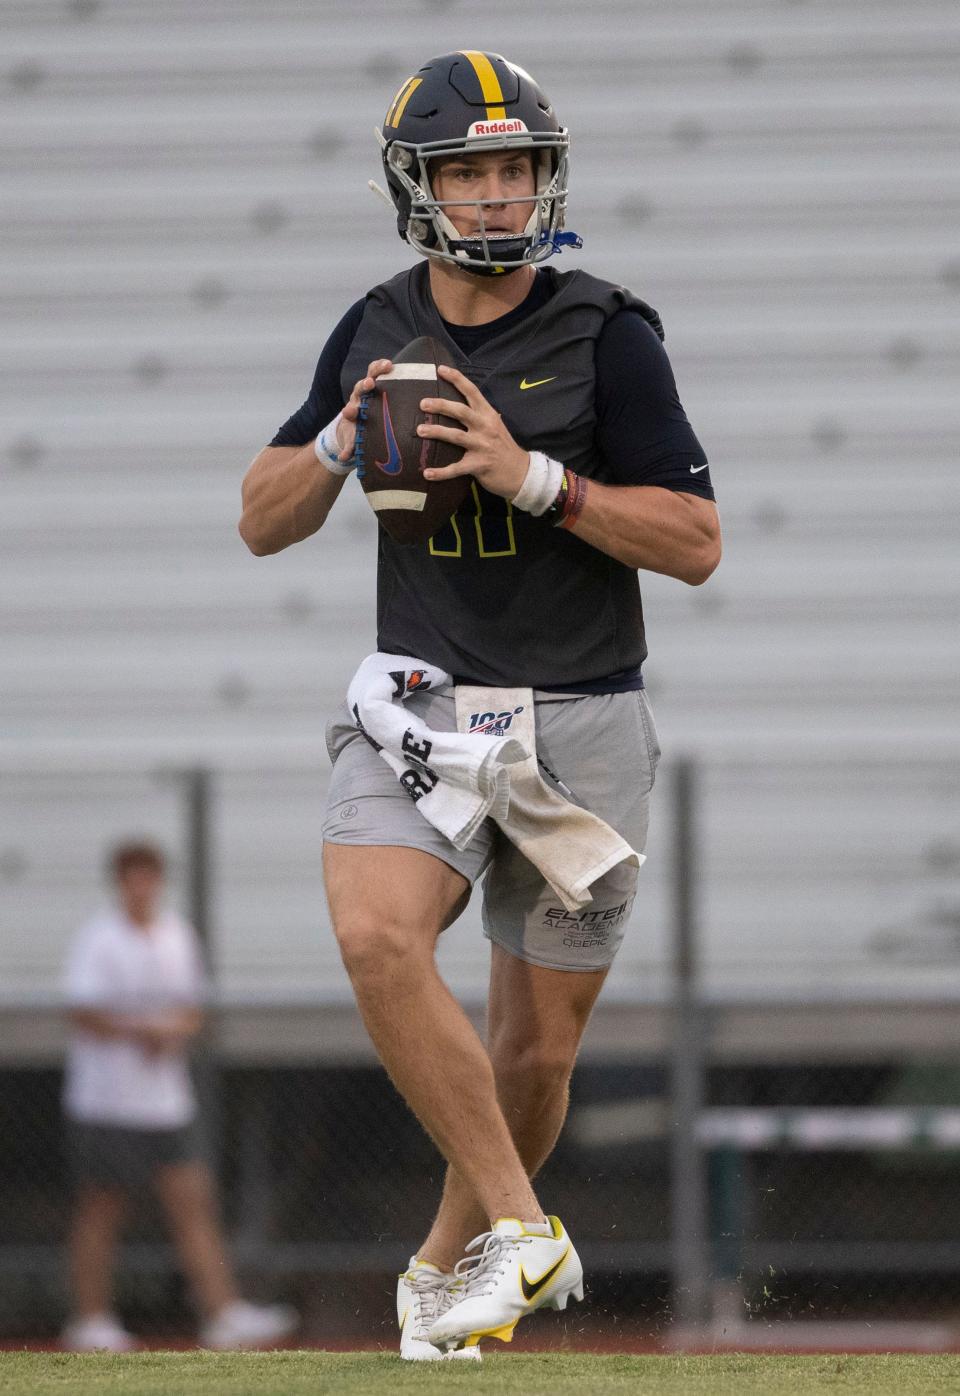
[(184, 217)]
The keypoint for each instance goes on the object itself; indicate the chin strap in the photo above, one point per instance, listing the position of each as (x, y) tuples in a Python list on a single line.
[(381, 193)]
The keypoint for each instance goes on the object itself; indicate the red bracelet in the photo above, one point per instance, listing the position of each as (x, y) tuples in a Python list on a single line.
[(576, 497)]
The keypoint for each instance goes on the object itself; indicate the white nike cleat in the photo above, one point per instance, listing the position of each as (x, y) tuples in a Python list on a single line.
[(424, 1292), (518, 1270)]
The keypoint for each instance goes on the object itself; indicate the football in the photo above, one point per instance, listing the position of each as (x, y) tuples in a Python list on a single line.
[(391, 457)]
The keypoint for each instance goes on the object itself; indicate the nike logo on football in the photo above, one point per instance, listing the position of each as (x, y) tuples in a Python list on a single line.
[(537, 382), (695, 469), (394, 462), (530, 1290)]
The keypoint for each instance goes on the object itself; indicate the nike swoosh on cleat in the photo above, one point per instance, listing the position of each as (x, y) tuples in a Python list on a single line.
[(695, 469), (394, 462), (528, 1289), (537, 383)]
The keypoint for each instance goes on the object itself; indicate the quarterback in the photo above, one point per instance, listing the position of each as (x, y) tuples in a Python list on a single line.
[(584, 471)]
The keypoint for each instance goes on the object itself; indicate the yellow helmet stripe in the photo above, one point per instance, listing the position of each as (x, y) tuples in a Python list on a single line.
[(490, 87), (393, 105), (401, 100)]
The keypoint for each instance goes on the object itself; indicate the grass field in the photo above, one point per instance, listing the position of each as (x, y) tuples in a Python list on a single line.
[(559, 1374)]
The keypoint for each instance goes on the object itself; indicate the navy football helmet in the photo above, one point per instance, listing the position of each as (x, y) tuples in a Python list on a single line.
[(467, 103)]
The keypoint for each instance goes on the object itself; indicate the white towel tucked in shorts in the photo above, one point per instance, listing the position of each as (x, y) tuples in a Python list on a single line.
[(458, 779)]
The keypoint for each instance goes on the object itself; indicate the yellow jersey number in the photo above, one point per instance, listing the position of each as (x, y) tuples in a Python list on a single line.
[(493, 526)]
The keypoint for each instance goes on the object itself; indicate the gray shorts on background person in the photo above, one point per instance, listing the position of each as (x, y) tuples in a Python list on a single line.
[(116, 1156), (602, 747)]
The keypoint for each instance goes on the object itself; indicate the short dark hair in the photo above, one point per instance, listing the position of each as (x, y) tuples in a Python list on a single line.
[(135, 854)]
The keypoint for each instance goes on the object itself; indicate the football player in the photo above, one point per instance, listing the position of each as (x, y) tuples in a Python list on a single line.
[(585, 470)]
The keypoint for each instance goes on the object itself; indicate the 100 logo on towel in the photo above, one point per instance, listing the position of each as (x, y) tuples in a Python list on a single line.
[(495, 724)]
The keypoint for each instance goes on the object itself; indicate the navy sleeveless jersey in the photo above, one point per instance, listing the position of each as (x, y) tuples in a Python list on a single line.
[(498, 596)]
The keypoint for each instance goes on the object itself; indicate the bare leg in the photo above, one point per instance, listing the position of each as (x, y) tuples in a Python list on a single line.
[(97, 1214), (536, 1019), (388, 907), (187, 1193)]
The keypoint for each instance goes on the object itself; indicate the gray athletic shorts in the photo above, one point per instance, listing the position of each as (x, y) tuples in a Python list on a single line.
[(603, 747), (116, 1156)]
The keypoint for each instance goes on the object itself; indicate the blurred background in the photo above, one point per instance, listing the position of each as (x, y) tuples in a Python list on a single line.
[(763, 1143)]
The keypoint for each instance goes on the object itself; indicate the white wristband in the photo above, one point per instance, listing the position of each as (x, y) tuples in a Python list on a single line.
[(327, 449), (541, 486)]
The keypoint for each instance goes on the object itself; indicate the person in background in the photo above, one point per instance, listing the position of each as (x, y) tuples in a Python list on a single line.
[(134, 987)]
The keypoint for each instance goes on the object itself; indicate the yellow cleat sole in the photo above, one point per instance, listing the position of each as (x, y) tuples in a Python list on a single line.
[(505, 1334)]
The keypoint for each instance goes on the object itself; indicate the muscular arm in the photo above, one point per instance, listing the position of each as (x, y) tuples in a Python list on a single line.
[(287, 492), (659, 530), (287, 495), (648, 518)]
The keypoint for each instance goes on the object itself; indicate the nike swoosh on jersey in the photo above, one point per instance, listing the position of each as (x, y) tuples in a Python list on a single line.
[(528, 1289), (394, 462), (695, 469), (537, 382)]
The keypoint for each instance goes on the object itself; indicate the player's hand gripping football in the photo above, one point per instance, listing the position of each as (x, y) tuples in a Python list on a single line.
[(490, 453), (347, 425)]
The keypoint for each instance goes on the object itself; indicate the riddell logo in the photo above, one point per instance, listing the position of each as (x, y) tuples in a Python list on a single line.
[(497, 128)]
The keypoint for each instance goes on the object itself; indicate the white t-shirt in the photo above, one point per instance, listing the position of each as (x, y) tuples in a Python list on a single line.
[(117, 967)]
